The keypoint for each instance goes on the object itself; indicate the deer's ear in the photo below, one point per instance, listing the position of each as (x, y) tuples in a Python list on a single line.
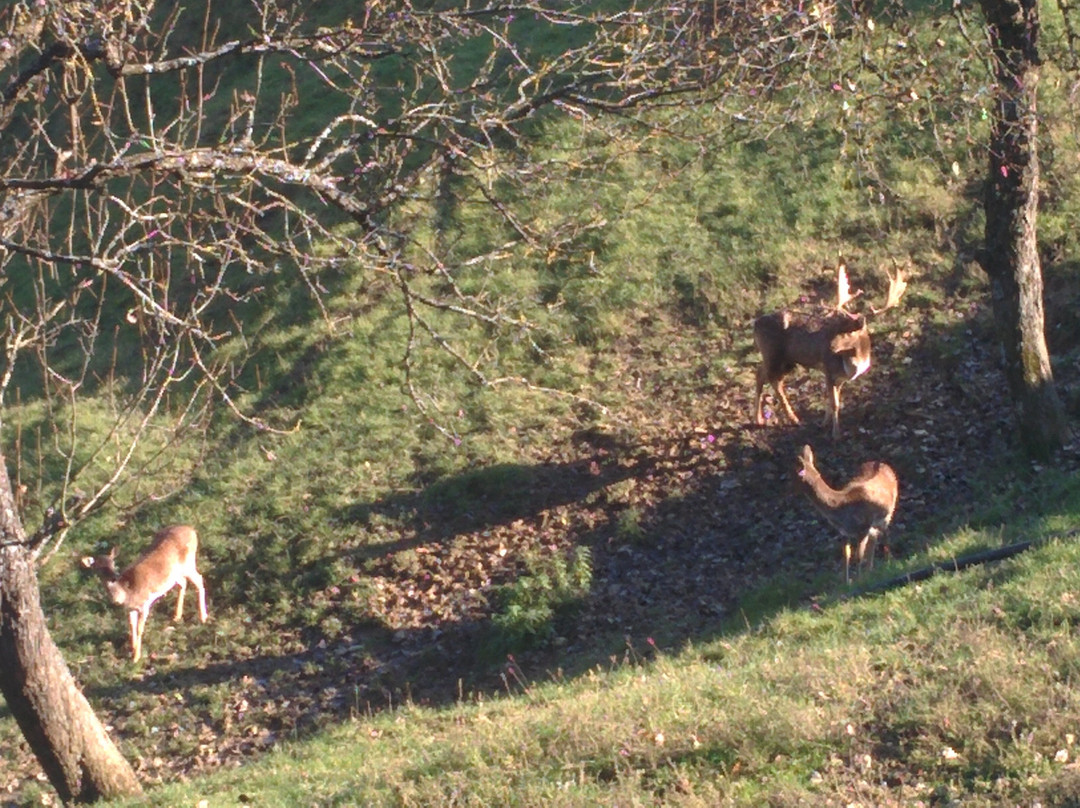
[(846, 342)]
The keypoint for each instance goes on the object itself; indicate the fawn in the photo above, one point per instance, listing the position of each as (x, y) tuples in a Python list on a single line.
[(168, 562), (837, 344), (862, 510)]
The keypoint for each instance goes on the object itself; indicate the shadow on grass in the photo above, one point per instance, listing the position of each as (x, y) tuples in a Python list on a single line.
[(492, 496)]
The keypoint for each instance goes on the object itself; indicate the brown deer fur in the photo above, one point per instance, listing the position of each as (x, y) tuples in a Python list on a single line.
[(168, 562), (839, 346), (862, 510)]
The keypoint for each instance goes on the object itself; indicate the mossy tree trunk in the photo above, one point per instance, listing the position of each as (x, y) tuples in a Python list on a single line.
[(1010, 256), (78, 757)]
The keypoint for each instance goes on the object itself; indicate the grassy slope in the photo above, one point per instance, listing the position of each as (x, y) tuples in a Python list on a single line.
[(960, 687), (565, 532)]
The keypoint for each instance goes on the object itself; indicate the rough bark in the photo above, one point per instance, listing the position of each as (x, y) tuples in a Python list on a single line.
[(1011, 256), (61, 728)]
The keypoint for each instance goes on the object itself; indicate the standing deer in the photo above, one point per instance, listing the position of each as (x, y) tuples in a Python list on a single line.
[(168, 562), (837, 344), (861, 510)]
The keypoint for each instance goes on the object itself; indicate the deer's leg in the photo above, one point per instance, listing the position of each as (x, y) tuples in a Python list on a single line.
[(137, 621), (142, 626), (197, 580), (869, 542), (777, 380), (832, 410), (790, 413), (182, 583), (759, 395)]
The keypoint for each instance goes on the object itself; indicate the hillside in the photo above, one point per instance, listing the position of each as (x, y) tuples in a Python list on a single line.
[(584, 577), (666, 523)]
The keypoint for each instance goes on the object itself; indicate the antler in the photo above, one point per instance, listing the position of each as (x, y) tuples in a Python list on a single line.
[(844, 295), (843, 288), (897, 285)]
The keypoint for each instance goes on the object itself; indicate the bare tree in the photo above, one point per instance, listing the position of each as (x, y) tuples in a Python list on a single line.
[(1011, 251)]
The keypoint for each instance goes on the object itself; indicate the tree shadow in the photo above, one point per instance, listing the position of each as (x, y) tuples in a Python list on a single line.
[(493, 496)]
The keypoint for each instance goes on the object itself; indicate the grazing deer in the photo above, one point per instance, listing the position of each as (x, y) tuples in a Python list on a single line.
[(861, 510), (168, 562), (837, 344)]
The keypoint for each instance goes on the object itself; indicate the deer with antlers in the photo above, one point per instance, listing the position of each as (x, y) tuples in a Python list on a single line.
[(167, 563), (861, 511), (837, 344)]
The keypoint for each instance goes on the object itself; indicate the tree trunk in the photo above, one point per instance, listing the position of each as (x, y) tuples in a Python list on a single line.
[(1011, 256), (57, 721)]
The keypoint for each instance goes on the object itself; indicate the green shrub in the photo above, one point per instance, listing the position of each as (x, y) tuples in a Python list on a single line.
[(527, 610)]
